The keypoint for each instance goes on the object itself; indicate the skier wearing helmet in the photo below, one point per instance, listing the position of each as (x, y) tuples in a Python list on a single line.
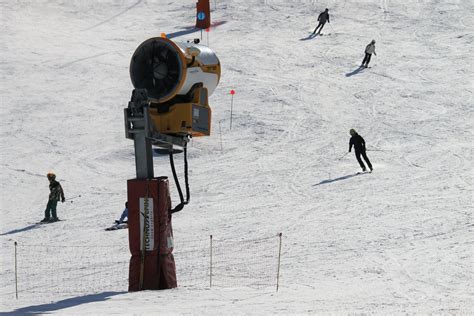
[(359, 146), (56, 194), (322, 18), (369, 50)]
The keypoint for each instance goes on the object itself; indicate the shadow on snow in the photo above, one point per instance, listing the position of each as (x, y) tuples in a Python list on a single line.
[(66, 303), (355, 72), (24, 229), (338, 179), (310, 36), (181, 33), (192, 29)]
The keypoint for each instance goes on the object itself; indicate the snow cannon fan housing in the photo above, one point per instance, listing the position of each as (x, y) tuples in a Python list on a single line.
[(179, 77)]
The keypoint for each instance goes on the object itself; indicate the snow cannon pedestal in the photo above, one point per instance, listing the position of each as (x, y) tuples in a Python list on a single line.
[(150, 235)]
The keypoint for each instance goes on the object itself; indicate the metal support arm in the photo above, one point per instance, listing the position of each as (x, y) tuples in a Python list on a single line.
[(140, 128)]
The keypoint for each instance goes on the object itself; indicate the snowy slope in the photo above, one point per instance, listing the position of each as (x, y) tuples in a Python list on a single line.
[(398, 240)]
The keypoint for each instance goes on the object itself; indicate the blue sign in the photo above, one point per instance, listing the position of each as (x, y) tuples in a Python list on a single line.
[(201, 16)]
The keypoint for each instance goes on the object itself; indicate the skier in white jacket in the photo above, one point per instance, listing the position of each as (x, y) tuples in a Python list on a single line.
[(369, 50)]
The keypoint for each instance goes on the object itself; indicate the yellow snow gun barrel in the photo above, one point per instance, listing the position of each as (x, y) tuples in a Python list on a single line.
[(179, 78)]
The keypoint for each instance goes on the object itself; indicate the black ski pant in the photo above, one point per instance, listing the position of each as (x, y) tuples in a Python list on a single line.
[(51, 209), (366, 60), (321, 24), (363, 154)]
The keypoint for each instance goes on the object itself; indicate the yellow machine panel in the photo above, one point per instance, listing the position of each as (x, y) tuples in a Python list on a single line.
[(183, 118)]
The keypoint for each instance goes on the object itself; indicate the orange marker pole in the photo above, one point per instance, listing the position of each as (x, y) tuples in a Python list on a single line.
[(232, 92)]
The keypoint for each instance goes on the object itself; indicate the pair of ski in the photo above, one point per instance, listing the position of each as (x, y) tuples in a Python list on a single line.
[(49, 222), (118, 226), (313, 35), (113, 227)]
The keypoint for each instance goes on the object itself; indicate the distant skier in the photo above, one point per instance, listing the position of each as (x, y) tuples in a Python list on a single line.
[(121, 223), (369, 50), (359, 146), (123, 216), (56, 194), (322, 18)]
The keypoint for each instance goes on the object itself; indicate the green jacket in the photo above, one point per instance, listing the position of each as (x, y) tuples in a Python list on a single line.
[(56, 191)]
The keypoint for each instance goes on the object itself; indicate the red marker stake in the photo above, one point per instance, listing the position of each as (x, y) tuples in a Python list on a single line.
[(207, 31), (232, 92)]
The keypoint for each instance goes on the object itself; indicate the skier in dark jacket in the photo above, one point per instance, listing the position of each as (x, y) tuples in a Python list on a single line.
[(322, 18), (56, 194), (359, 146)]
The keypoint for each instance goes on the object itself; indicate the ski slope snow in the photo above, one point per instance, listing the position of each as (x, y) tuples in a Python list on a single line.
[(399, 240)]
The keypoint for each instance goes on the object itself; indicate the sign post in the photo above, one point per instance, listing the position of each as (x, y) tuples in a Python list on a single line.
[(203, 14)]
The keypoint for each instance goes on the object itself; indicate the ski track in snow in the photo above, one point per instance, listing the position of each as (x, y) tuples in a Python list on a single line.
[(395, 241)]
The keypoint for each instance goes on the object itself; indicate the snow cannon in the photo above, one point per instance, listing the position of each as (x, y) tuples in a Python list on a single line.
[(178, 78), (168, 106)]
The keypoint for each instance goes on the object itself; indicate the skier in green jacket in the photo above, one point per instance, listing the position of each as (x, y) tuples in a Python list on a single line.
[(56, 194)]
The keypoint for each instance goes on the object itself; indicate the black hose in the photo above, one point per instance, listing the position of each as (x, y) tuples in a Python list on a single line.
[(182, 203)]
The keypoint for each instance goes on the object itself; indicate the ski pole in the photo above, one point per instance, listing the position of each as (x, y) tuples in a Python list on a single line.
[(72, 198), (332, 28), (377, 150), (343, 156)]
